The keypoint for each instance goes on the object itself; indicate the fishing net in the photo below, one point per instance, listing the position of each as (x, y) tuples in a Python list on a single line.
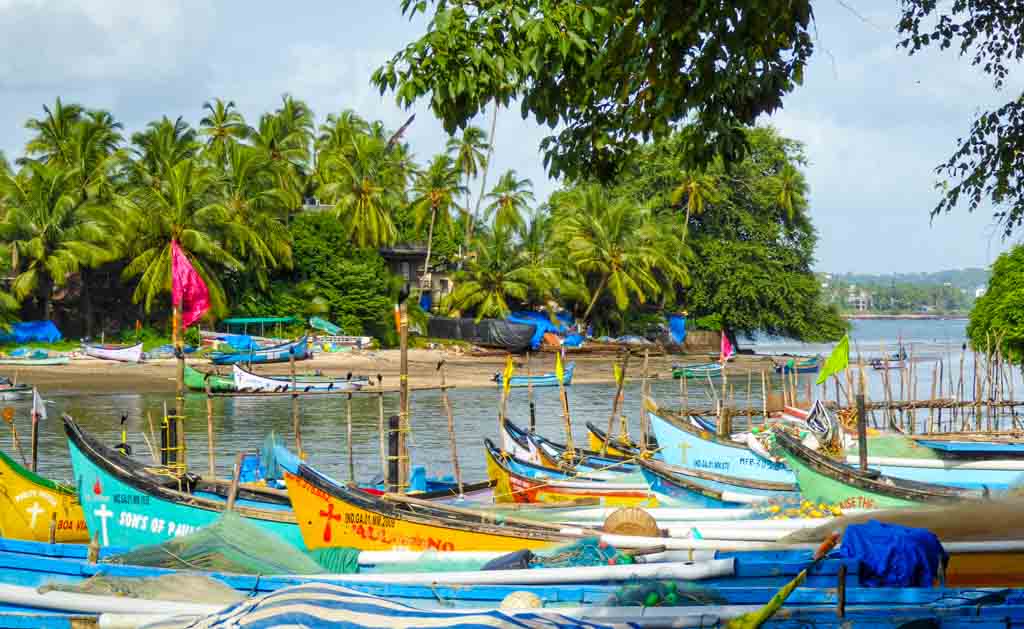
[(663, 594), (185, 588), (231, 544)]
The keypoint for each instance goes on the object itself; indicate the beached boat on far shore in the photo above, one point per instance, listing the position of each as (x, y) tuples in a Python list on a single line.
[(120, 353)]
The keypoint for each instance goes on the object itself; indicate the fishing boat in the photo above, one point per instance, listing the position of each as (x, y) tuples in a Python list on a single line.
[(35, 362), (701, 370), (618, 445), (519, 481), (331, 514), (274, 354), (546, 453), (884, 363), (710, 490), (198, 380), (972, 444), (9, 391), (822, 479), (247, 381), (127, 503), (121, 353), (541, 380), (806, 365), (31, 503)]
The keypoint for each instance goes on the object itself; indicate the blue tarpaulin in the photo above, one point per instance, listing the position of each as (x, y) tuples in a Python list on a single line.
[(542, 324), (239, 342), (677, 327), (573, 340), (891, 555), (426, 301), (32, 332)]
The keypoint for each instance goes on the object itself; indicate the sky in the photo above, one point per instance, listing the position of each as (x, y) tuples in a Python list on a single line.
[(875, 122)]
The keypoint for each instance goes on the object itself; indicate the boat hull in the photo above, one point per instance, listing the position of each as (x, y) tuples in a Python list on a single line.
[(29, 502), (35, 362), (16, 392), (544, 380), (130, 354), (277, 354), (247, 381), (197, 381)]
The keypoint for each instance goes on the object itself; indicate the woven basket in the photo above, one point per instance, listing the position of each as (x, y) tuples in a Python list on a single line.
[(631, 521)]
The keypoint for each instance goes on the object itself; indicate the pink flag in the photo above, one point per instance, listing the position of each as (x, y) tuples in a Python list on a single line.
[(726, 348), (187, 289)]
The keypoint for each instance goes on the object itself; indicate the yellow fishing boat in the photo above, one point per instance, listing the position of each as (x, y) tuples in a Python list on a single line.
[(595, 442), (29, 502), (331, 515)]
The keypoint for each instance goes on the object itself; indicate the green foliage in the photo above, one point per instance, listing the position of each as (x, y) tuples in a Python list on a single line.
[(987, 165), (607, 74), (998, 316)]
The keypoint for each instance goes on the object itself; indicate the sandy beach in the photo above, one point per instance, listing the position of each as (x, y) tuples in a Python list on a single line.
[(88, 375)]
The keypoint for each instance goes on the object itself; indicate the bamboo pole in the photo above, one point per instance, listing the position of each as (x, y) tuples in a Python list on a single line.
[(296, 423), (644, 394), (211, 454), (529, 394), (179, 395), (403, 384), (380, 428), (616, 402), (764, 398), (570, 449), (931, 412), (451, 425), (152, 434), (348, 438), (750, 404)]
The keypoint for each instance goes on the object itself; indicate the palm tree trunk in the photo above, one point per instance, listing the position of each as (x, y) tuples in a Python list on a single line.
[(86, 301), (47, 299), (469, 222), (686, 225), (593, 300), (487, 166), (430, 242)]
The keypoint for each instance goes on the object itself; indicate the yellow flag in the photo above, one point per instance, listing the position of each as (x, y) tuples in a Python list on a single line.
[(618, 373), (559, 371), (837, 361), (506, 377), (754, 619)]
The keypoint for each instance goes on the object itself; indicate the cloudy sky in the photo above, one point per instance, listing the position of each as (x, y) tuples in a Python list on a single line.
[(875, 122)]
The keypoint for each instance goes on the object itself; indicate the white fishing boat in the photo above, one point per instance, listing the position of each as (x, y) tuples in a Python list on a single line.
[(121, 353), (247, 381)]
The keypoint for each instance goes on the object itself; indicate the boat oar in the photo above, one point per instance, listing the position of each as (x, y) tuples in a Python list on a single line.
[(752, 620)]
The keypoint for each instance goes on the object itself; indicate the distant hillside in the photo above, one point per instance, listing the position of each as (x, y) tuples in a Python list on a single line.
[(959, 278)]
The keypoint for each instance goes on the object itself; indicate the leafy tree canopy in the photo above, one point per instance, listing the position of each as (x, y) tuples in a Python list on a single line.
[(998, 315), (608, 74)]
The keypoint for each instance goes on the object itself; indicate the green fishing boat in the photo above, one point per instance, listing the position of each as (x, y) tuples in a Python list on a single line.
[(824, 480), (702, 370), (196, 381)]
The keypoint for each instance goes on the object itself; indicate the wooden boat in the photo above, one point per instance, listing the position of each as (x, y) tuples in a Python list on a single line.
[(10, 391), (274, 354), (519, 481), (245, 381), (806, 365), (35, 362), (121, 353), (331, 514), (30, 502), (972, 444), (881, 364), (710, 490), (701, 370), (822, 479), (546, 453), (541, 380), (128, 504), (618, 445), (197, 380)]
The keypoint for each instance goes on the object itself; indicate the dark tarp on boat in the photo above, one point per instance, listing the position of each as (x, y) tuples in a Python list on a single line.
[(32, 332), (515, 337)]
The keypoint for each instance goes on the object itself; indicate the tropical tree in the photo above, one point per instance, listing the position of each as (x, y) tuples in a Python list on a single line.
[(792, 191), (496, 278), (510, 199), (181, 208), (470, 153), (697, 190), (224, 127), (52, 232), (160, 147), (367, 185), (53, 132), (435, 191), (618, 246)]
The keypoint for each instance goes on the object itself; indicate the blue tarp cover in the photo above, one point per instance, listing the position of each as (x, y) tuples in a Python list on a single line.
[(891, 555), (239, 342), (426, 301), (33, 332), (542, 324), (573, 340), (677, 327)]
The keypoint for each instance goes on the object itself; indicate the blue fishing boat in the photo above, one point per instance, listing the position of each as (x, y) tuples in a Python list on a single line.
[(717, 490), (804, 365), (541, 380), (546, 453), (700, 370), (979, 445), (274, 354), (130, 504)]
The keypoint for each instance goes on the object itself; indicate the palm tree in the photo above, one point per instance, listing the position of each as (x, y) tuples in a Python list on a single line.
[(697, 190), (366, 185), (181, 209), (617, 246), (435, 190), (50, 228), (163, 144), (470, 153), (510, 198), (53, 132), (223, 127), (792, 191), (495, 277)]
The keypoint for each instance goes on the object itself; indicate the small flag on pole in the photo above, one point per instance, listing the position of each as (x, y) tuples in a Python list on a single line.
[(559, 371), (617, 370), (727, 350), (38, 405), (506, 377), (188, 290), (837, 361)]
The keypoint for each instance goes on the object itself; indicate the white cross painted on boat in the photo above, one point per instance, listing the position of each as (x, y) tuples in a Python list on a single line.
[(683, 447), (34, 511), (103, 513)]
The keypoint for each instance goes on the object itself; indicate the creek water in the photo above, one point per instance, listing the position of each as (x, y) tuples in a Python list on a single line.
[(241, 423)]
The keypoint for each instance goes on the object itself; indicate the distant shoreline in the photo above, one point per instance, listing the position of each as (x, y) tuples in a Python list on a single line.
[(906, 316)]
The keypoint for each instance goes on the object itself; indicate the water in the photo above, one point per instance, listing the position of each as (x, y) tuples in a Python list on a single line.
[(241, 423)]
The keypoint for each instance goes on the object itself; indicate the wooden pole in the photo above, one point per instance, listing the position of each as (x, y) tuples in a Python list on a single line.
[(862, 433), (750, 401), (157, 458), (348, 438), (179, 398), (34, 461), (529, 393), (452, 444), (296, 423), (570, 449), (211, 453), (644, 394), (615, 403), (764, 398), (236, 471), (403, 384), (380, 428)]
